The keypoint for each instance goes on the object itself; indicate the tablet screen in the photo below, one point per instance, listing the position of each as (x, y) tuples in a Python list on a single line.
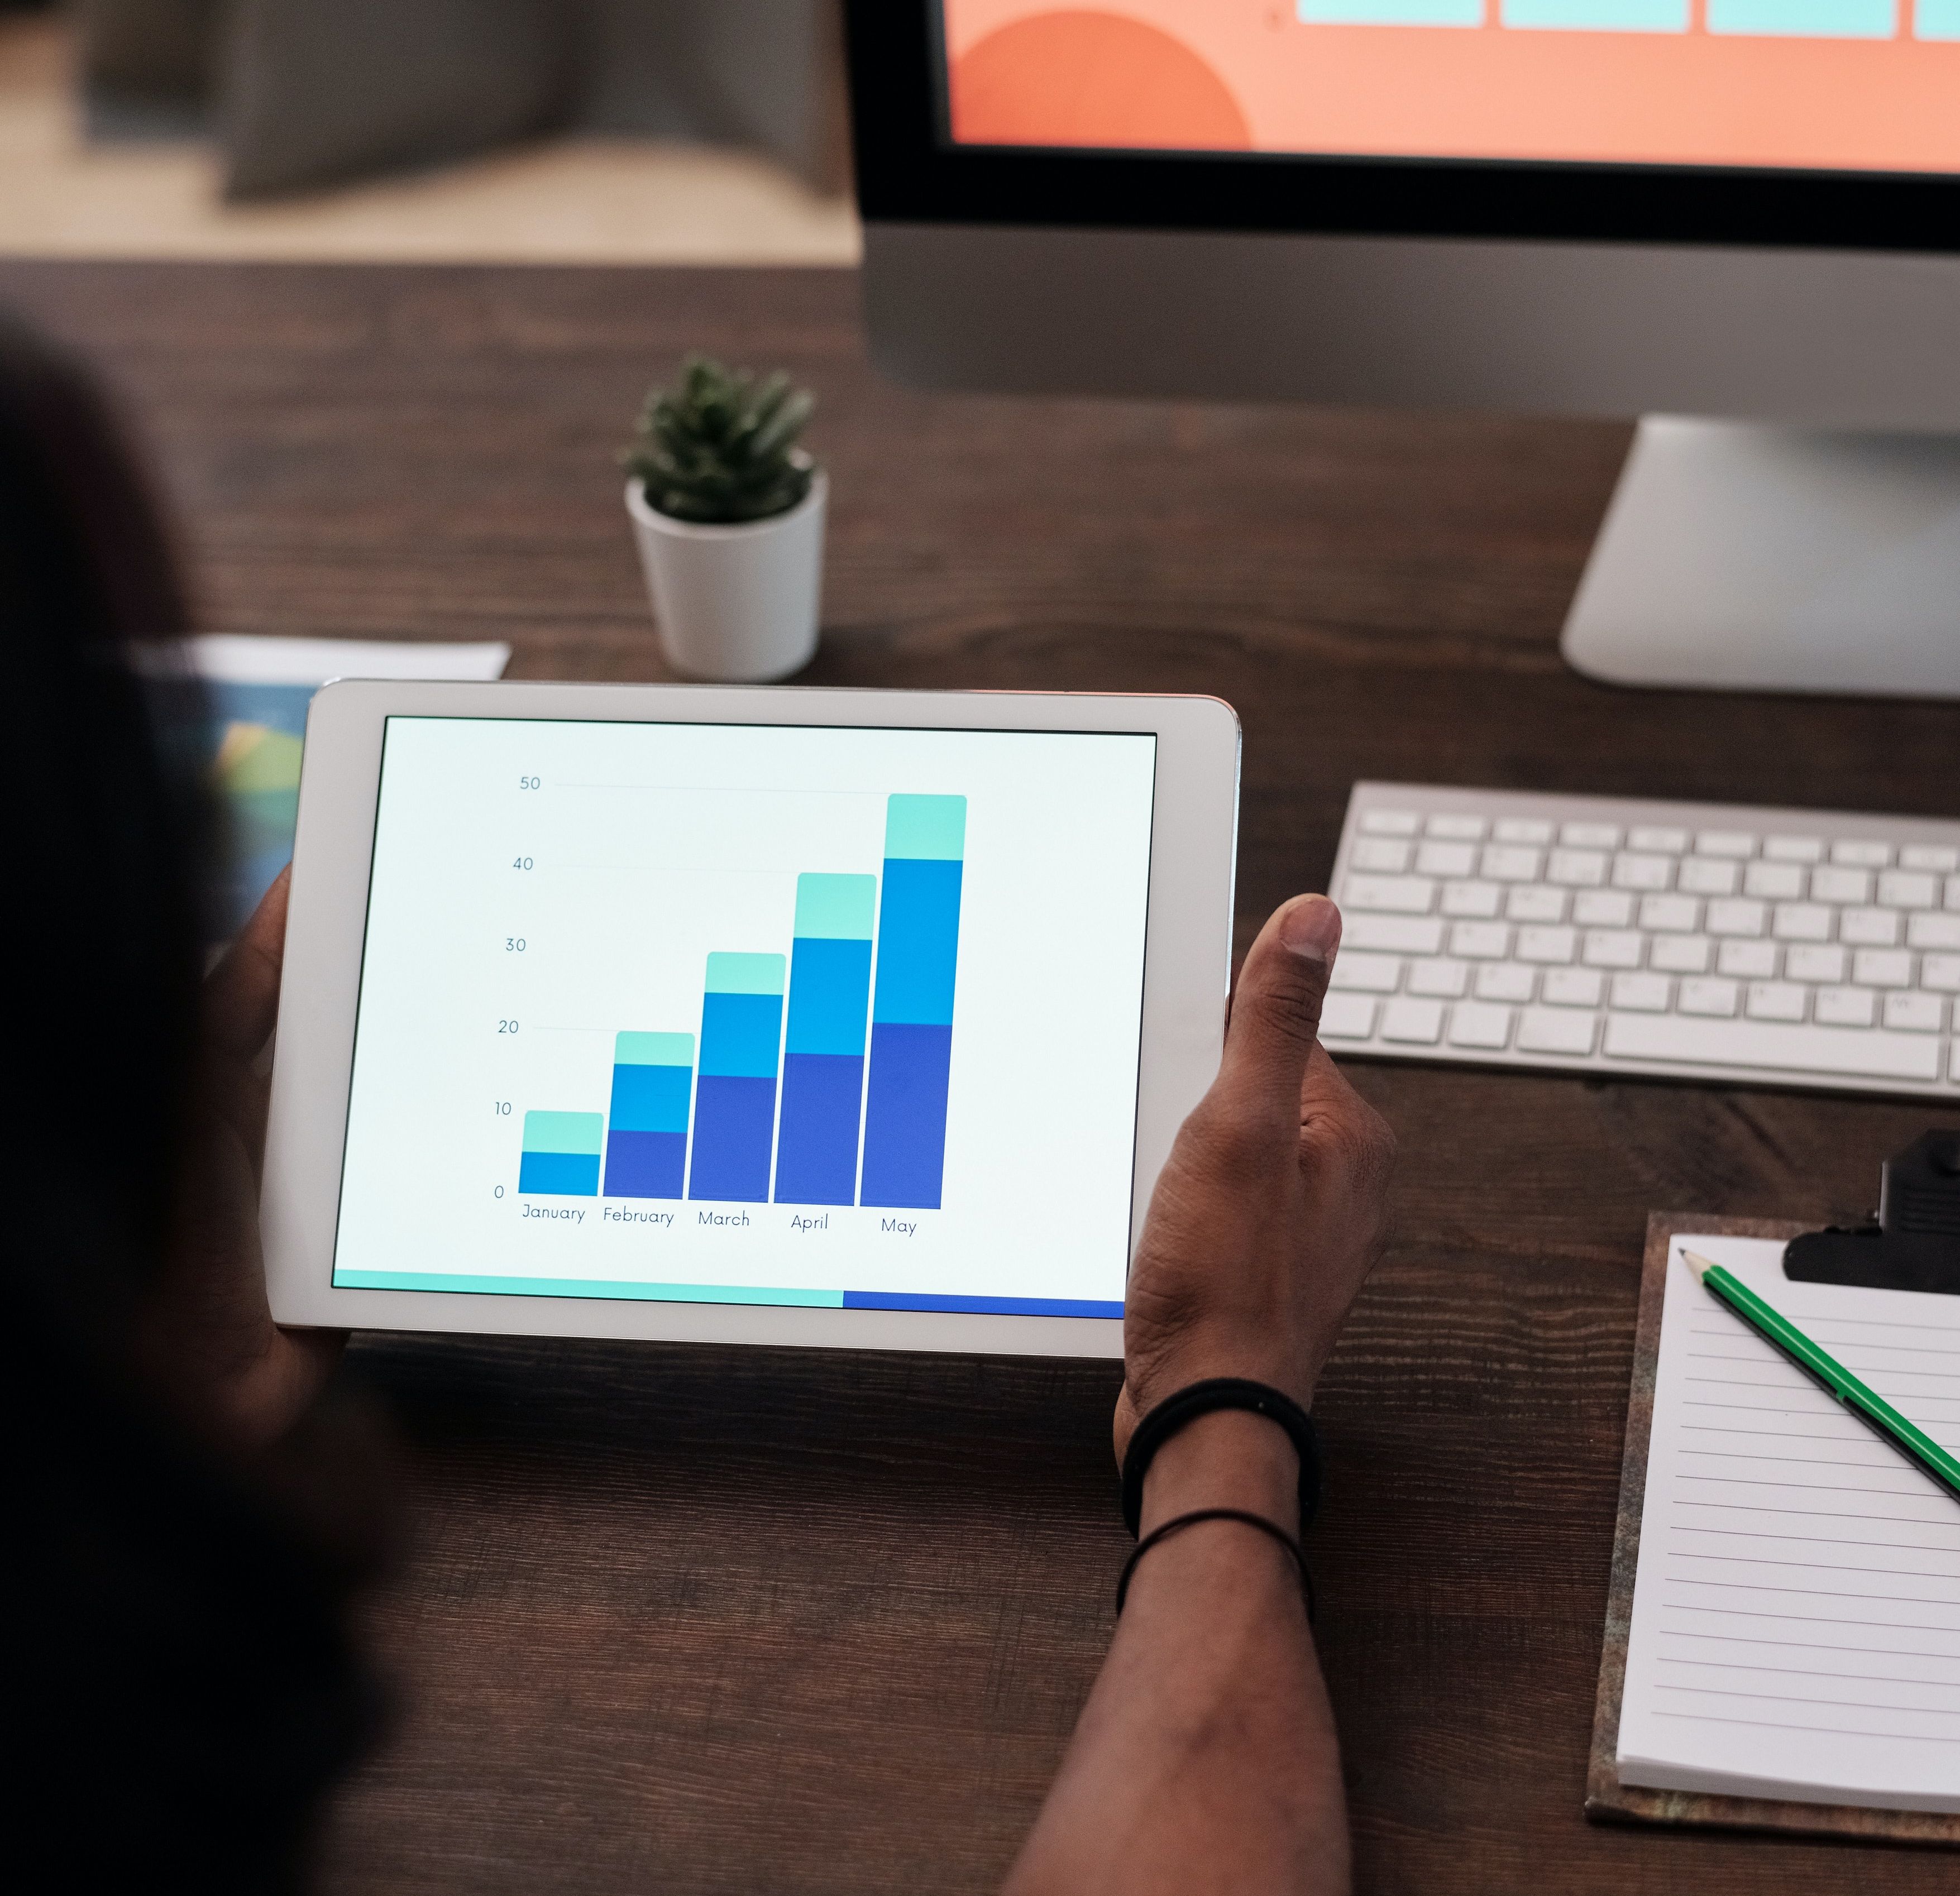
[(750, 1014)]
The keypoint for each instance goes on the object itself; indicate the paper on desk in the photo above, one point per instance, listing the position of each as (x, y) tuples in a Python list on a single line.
[(1796, 1626), (256, 692)]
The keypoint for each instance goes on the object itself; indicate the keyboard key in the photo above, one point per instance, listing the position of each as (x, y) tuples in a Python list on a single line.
[(1346, 1017), (1583, 987), (1936, 856), (1862, 855), (1479, 941), (1725, 842), (1773, 882), (1881, 968), (1908, 888), (1532, 901), (1844, 885), (1953, 892), (1547, 944), (1680, 954), (1802, 921), (1576, 868), (1869, 928), (1416, 1023), (1366, 974), (1378, 855), (1505, 980), (1667, 842), (1607, 836), (1474, 1025), (1933, 931), (1915, 1014), (1776, 1000), (1738, 916), (1522, 829), (1704, 876), (1747, 960), (1446, 859), (1392, 895), (1941, 973), (1824, 965), (1440, 980), (1673, 915), (1870, 1054), (1714, 996), (1602, 908), (1457, 829), (1478, 901), (1845, 1007), (1507, 862), (1612, 948), (1646, 994), (1394, 934), (1547, 1030), (1389, 822), (1647, 871), (1793, 849)]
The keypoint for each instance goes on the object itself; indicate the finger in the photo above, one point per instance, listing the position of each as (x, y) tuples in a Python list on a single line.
[(242, 997), (1275, 1017)]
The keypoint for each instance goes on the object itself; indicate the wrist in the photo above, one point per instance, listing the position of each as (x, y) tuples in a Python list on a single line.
[(1230, 1457)]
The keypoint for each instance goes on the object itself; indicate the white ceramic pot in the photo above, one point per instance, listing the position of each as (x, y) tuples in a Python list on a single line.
[(737, 603)]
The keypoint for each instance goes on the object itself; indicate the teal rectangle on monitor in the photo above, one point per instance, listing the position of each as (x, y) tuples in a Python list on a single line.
[(926, 829), (1805, 19), (1597, 16), (1936, 19), (580, 1132), (654, 1050), (1392, 13), (747, 974), (836, 908)]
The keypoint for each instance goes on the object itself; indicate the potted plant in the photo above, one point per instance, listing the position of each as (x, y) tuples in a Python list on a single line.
[(728, 514)]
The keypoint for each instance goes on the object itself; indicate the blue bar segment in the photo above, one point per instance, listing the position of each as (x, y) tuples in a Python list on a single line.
[(735, 1092), (983, 1306), (1598, 16), (1805, 19), (823, 1059), (912, 1010), (646, 1149)]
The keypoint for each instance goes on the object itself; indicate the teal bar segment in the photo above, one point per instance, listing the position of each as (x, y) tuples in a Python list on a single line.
[(1392, 13), (747, 974), (836, 908), (926, 829), (1597, 16), (584, 1288), (1936, 19), (1805, 19), (580, 1132), (652, 1050)]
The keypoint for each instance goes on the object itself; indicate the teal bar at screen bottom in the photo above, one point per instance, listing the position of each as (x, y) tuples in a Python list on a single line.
[(582, 1287)]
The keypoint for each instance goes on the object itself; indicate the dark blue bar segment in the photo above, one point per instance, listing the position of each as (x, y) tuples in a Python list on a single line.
[(905, 1115), (816, 1149), (645, 1165), (571, 1175), (983, 1306), (734, 1119)]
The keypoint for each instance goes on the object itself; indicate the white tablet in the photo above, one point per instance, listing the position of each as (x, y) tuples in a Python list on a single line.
[(785, 1016)]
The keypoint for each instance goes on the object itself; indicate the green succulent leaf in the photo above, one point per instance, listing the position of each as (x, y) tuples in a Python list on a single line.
[(719, 445)]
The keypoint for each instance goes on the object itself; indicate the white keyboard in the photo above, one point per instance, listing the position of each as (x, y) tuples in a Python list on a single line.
[(1599, 935)]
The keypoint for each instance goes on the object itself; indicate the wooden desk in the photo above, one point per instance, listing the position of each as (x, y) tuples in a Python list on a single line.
[(692, 1621)]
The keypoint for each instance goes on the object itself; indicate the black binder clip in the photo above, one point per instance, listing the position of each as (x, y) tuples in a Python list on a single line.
[(1915, 1245)]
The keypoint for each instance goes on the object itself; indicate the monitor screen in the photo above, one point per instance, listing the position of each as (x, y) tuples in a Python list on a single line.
[(1847, 86), (839, 1017)]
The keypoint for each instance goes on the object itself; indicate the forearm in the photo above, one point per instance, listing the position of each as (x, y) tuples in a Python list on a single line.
[(1206, 1759)]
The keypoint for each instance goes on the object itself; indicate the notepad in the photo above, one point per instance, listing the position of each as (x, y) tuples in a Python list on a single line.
[(1795, 1626)]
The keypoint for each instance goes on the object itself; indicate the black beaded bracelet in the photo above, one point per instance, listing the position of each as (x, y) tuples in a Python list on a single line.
[(1178, 1523), (1174, 1412)]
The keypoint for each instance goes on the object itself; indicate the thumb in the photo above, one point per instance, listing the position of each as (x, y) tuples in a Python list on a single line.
[(1276, 1007)]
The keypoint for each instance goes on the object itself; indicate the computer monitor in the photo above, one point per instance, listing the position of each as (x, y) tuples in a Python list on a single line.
[(1737, 219)]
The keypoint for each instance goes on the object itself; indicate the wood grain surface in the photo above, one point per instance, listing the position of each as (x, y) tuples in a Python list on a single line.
[(696, 1620)]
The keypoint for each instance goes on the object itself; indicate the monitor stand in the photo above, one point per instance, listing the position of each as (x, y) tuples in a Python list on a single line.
[(1740, 558)]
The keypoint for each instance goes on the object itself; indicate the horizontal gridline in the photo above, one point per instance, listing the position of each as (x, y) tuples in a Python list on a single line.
[(1863, 1323), (1940, 1376), (1833, 1731), (1880, 1458), (1807, 1566), (1802, 1619), (1815, 1592), (1812, 1540), (1810, 1514), (1797, 1698), (1804, 1645), (1812, 1487), (1743, 1383), (1814, 1671), (1814, 1325), (1774, 1435)]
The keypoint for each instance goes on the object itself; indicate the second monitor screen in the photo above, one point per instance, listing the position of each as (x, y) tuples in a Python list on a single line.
[(1831, 85)]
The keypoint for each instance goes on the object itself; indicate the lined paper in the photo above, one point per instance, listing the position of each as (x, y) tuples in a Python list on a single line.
[(1796, 1627)]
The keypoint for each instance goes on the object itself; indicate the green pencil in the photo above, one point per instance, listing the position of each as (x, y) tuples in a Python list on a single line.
[(1846, 1387)]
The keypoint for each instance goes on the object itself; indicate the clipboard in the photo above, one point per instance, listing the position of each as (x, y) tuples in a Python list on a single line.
[(1606, 1799)]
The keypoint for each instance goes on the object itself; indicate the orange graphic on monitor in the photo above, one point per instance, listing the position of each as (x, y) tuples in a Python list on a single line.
[(1091, 78)]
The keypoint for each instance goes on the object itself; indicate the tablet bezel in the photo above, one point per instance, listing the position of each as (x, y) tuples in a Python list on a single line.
[(1187, 975)]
